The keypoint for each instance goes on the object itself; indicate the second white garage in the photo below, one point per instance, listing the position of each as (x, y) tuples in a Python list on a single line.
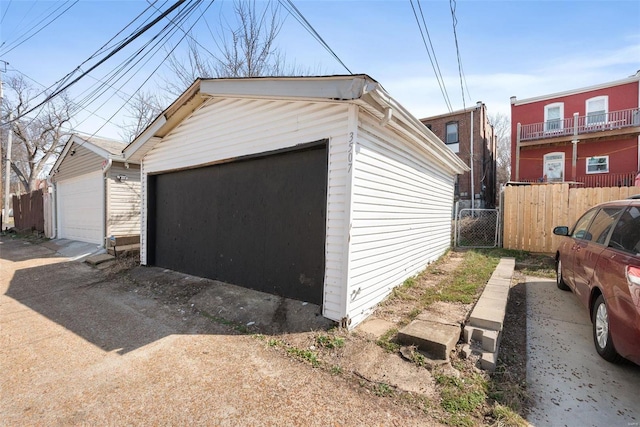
[(80, 201)]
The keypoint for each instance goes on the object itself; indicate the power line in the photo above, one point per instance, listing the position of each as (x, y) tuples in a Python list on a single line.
[(128, 65), (436, 70), (293, 11), (19, 43), (5, 11), (191, 37), (93, 113), (164, 59), (121, 46)]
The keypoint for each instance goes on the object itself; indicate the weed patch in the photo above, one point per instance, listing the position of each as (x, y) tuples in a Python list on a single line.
[(383, 390), (461, 397), (385, 341), (306, 355), (330, 342)]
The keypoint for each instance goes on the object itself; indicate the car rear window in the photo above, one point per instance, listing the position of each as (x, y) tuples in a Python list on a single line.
[(626, 234)]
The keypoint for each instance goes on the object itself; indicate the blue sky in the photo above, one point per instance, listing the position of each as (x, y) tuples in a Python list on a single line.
[(521, 48)]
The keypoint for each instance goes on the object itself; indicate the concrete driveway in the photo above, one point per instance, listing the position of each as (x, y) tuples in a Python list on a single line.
[(78, 347), (570, 384)]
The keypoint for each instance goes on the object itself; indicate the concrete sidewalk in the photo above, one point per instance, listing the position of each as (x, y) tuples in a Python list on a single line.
[(73, 249), (569, 383)]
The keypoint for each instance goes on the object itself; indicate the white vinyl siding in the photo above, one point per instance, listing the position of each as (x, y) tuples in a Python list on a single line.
[(123, 203), (401, 220), (224, 129), (82, 162), (80, 208), (387, 217)]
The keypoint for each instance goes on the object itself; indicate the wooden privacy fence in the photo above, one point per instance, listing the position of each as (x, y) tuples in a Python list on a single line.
[(28, 211), (531, 211)]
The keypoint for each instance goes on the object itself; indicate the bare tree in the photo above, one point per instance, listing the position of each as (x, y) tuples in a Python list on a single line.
[(247, 48), (37, 140), (502, 130), (141, 111)]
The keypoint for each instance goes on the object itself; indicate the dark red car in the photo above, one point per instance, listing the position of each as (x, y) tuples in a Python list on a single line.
[(599, 260)]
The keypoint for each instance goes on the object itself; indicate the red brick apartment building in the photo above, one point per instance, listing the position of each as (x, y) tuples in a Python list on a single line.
[(587, 136), (469, 134)]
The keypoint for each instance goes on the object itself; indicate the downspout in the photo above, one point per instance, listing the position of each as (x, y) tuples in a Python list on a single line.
[(638, 117), (105, 171), (54, 207), (473, 187), (574, 154)]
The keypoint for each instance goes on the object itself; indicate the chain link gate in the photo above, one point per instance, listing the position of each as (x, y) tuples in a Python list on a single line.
[(477, 228)]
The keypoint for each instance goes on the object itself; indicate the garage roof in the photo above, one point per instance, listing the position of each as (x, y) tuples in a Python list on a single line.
[(359, 89), (107, 148)]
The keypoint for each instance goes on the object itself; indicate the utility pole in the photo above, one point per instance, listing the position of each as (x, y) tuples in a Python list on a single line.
[(4, 215), (1, 158), (7, 172)]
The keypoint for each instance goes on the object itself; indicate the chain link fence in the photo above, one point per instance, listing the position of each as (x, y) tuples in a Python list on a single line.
[(477, 228)]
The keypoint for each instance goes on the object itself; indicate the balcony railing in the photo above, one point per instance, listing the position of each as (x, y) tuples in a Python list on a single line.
[(626, 179), (579, 125)]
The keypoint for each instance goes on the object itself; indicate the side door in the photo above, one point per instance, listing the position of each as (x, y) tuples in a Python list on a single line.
[(569, 247), (589, 249)]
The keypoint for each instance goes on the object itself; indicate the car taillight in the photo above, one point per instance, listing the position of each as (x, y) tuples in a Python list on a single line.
[(633, 275), (633, 281)]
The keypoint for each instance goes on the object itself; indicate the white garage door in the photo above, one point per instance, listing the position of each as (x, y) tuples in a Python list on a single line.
[(80, 204)]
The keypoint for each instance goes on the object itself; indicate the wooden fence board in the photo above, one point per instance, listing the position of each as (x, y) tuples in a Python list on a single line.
[(530, 212), (28, 211)]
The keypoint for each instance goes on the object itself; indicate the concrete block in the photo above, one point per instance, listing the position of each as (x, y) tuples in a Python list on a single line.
[(472, 333), (99, 259), (487, 317), (501, 295), (488, 361), (491, 341), (434, 338), (503, 274), (499, 285)]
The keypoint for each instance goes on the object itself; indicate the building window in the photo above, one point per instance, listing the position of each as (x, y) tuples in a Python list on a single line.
[(429, 127), (452, 133), (553, 116), (598, 164), (554, 167), (597, 109)]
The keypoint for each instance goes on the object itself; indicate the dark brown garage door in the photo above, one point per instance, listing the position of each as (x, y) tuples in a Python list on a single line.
[(257, 222)]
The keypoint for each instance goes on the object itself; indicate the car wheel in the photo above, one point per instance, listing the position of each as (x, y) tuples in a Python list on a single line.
[(601, 333), (559, 280)]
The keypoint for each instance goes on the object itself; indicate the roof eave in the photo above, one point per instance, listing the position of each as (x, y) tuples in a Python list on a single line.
[(360, 89), (75, 139), (419, 132), (632, 79)]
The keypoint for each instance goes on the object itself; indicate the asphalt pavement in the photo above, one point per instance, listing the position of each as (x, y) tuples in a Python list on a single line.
[(569, 383)]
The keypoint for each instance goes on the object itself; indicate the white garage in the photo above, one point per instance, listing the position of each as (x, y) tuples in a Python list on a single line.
[(320, 189), (80, 203), (96, 193)]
